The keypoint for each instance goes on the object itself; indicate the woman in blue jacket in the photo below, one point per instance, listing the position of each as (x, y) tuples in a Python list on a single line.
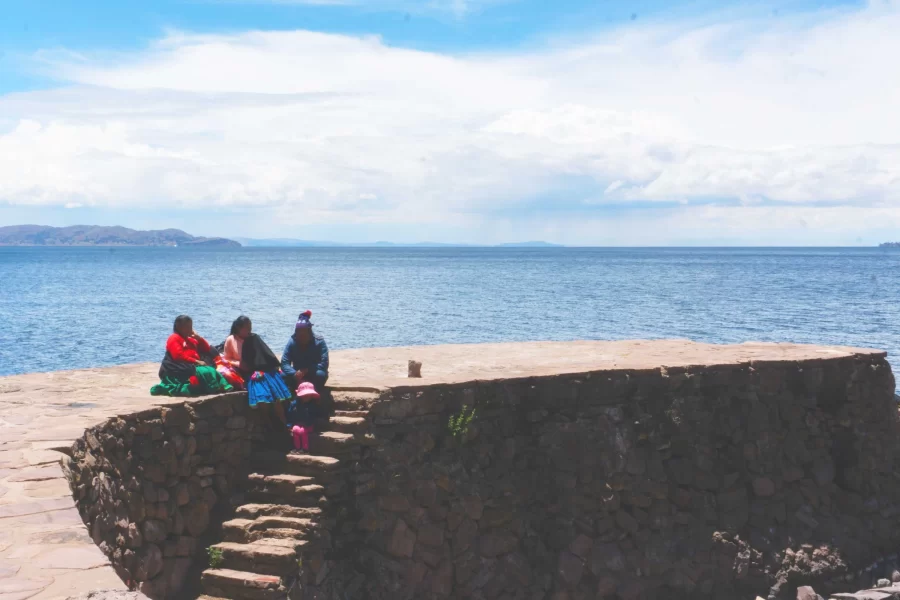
[(305, 357)]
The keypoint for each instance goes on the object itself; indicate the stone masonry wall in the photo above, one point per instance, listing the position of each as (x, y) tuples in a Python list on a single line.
[(707, 482), (148, 484), (714, 482)]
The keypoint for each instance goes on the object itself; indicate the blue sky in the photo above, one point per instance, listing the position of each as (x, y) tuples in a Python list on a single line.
[(614, 123)]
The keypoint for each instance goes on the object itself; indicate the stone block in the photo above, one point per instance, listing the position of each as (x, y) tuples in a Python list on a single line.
[(569, 569), (236, 422), (472, 507), (431, 535), (398, 504), (185, 546), (442, 582), (402, 540), (606, 557), (155, 531), (626, 522), (175, 572), (495, 543), (763, 487), (150, 562), (197, 519), (464, 536), (581, 546)]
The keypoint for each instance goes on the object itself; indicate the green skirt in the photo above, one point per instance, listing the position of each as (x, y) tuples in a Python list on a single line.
[(206, 381)]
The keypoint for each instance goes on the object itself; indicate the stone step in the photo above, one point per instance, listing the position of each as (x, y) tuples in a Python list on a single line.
[(253, 511), (242, 585), (295, 545), (258, 557), (354, 400), (246, 531), (351, 413), (295, 536), (322, 468), (347, 424), (337, 443), (312, 463), (278, 481), (295, 490)]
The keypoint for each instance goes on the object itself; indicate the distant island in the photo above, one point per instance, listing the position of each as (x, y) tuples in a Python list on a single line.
[(294, 243), (531, 245), (95, 235), (889, 245)]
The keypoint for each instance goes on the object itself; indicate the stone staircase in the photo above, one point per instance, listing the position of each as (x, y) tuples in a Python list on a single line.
[(280, 537)]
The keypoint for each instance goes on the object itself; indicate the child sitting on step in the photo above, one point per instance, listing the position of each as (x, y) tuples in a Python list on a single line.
[(301, 415)]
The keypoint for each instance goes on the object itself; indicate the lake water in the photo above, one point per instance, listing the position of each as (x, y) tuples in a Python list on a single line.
[(64, 308)]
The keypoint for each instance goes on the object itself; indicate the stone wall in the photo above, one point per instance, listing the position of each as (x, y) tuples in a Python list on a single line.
[(707, 482), (149, 486)]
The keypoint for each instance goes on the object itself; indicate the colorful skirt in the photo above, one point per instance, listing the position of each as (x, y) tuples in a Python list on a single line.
[(205, 381), (266, 388), (229, 373)]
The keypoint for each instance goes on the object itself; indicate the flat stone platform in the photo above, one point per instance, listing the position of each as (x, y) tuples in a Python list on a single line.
[(45, 550)]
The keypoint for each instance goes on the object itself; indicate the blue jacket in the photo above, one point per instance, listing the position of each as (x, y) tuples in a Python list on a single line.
[(303, 413), (313, 358)]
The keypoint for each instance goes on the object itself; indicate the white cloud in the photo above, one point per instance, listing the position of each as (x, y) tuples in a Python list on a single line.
[(800, 111)]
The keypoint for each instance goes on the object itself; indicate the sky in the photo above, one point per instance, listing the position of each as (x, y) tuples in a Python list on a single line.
[(582, 122)]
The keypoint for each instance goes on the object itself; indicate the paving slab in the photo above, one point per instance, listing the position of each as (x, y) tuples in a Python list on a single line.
[(45, 552)]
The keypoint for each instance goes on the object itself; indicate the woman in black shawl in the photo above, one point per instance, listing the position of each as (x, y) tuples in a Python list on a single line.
[(263, 371)]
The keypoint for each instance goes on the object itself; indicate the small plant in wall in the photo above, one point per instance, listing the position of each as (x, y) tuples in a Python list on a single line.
[(215, 557), (458, 424)]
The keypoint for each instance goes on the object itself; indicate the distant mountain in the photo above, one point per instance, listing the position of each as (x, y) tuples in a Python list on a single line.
[(94, 235), (291, 243), (531, 245), (284, 243), (889, 245)]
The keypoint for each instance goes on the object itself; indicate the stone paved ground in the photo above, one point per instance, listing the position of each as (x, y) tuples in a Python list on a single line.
[(45, 552)]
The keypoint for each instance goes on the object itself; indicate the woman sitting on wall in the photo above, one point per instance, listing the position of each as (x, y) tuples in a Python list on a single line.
[(260, 368), (305, 356), (229, 363), (186, 368)]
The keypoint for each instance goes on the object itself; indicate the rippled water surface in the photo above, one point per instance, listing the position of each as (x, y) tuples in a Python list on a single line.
[(64, 308)]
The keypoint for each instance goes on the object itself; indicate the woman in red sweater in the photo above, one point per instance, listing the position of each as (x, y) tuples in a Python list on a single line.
[(184, 345), (183, 371)]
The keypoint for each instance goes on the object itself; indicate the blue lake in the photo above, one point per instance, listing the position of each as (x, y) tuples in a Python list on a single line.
[(64, 308)]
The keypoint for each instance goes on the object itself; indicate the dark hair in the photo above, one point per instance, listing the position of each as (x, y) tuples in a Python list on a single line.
[(239, 324), (180, 320)]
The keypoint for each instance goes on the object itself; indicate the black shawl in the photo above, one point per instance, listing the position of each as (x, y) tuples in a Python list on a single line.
[(257, 356)]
